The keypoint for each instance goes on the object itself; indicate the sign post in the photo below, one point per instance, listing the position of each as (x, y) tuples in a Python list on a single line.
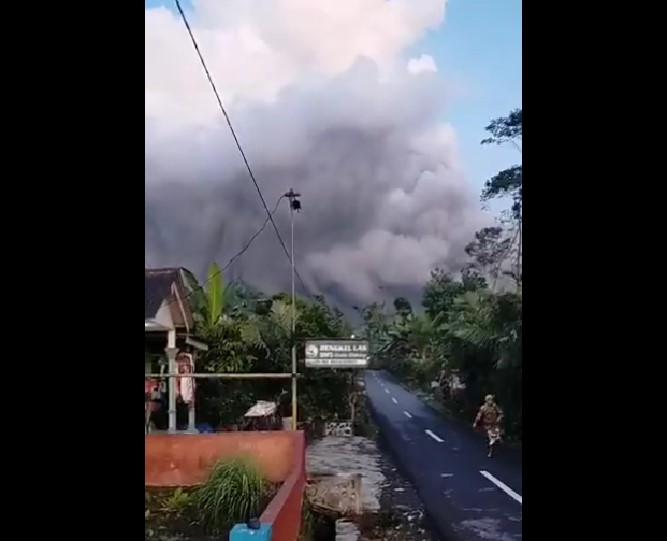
[(335, 353)]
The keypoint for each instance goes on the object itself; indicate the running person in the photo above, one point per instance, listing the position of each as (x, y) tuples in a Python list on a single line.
[(490, 416)]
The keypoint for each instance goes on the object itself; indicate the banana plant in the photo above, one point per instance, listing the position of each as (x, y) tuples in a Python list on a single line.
[(212, 303)]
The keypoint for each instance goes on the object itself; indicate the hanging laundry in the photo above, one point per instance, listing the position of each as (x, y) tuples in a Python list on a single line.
[(185, 387)]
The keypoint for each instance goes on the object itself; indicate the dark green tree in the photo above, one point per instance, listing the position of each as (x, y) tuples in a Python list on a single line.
[(253, 334)]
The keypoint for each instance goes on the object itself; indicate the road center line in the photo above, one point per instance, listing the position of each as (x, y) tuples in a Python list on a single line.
[(502, 486), (407, 414), (386, 391), (435, 437), (394, 400)]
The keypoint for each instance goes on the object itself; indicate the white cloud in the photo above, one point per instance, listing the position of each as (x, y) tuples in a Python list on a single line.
[(257, 48), (423, 64)]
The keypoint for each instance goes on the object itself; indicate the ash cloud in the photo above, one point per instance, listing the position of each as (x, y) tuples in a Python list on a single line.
[(351, 128)]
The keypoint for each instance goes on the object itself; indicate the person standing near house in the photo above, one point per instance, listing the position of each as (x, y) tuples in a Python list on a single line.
[(153, 399), (490, 416)]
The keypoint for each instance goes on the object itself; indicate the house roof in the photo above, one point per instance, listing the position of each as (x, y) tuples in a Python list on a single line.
[(158, 284)]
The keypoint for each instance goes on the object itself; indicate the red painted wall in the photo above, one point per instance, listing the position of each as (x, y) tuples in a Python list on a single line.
[(185, 459), (284, 511)]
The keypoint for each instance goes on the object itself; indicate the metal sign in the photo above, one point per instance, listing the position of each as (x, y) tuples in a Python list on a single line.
[(334, 353)]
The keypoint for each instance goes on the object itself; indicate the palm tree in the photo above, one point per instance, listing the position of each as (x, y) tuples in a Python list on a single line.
[(491, 323)]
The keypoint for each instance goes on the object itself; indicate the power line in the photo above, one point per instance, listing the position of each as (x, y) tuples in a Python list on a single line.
[(236, 140), (234, 258), (257, 234)]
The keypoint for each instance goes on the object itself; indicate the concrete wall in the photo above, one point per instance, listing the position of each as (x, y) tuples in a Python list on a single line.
[(284, 512), (185, 459)]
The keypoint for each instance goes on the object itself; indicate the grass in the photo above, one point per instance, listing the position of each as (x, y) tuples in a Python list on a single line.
[(234, 492)]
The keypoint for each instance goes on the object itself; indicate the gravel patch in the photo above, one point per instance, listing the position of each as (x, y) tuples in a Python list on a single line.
[(392, 509)]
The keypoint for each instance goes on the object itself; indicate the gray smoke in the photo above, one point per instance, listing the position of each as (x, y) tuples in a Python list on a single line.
[(383, 192)]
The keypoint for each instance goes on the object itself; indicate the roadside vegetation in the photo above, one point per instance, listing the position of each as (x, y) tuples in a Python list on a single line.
[(468, 335)]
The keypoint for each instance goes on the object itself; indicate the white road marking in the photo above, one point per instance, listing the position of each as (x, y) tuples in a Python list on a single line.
[(446, 475), (407, 414), (394, 400), (502, 486), (435, 437), (386, 391)]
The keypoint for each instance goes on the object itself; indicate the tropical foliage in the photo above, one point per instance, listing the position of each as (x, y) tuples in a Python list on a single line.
[(248, 332), (469, 331)]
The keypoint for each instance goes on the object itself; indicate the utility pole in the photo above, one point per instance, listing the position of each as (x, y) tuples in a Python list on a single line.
[(294, 204)]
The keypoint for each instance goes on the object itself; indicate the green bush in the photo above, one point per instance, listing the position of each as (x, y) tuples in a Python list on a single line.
[(234, 492)]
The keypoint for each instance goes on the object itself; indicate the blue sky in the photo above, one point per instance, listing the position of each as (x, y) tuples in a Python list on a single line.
[(479, 48)]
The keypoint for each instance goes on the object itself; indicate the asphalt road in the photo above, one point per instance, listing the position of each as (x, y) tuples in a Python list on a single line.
[(467, 496)]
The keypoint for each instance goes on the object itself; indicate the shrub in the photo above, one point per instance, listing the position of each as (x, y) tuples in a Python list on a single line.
[(233, 493)]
